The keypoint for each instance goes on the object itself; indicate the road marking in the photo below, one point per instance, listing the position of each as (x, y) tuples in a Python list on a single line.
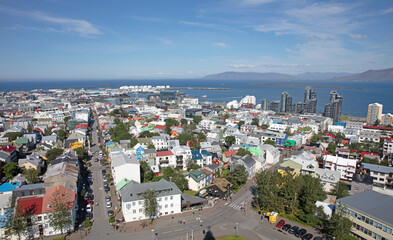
[(225, 204)]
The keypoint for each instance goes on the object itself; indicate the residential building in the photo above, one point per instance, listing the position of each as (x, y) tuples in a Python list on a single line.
[(387, 119), (346, 167), (286, 103), (168, 197), (160, 142), (369, 135), (374, 113), (197, 180), (166, 159), (369, 214), (125, 166), (329, 178), (382, 175)]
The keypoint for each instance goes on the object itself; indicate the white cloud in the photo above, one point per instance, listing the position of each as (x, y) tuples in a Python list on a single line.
[(221, 45), (387, 11), (209, 25), (255, 2), (243, 65), (165, 41), (146, 19), (357, 36), (80, 26)]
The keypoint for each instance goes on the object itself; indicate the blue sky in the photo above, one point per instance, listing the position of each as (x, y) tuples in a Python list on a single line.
[(66, 39)]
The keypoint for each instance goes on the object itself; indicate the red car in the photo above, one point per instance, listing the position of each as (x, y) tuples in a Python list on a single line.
[(280, 223)]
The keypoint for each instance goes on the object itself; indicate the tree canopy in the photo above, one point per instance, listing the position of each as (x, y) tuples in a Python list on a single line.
[(150, 205), (10, 170), (243, 152), (13, 135), (197, 119), (31, 175), (340, 190), (53, 153), (270, 142), (238, 176), (147, 174), (229, 140), (60, 216)]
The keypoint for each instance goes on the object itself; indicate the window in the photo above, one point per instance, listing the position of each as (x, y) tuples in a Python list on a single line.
[(39, 218), (134, 211), (133, 203), (166, 205), (140, 210), (171, 204), (166, 198), (171, 197), (140, 202)]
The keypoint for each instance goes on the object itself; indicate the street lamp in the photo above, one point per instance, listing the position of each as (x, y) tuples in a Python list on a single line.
[(153, 234), (192, 233), (237, 229)]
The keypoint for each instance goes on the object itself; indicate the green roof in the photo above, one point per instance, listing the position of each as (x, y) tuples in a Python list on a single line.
[(144, 129), (122, 183), (291, 143), (22, 140), (255, 151)]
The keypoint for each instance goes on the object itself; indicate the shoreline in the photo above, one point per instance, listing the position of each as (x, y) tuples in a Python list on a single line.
[(301, 85)]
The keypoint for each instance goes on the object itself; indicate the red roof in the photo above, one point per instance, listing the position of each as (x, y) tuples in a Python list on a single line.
[(32, 205), (377, 127), (387, 138), (229, 153), (160, 127), (164, 153), (329, 135), (206, 171), (368, 153), (343, 150), (66, 194), (8, 148), (81, 125)]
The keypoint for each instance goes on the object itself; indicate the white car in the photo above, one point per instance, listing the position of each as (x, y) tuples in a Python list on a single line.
[(108, 204), (89, 208)]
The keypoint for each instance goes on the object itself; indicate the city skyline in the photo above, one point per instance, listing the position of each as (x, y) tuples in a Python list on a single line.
[(177, 39)]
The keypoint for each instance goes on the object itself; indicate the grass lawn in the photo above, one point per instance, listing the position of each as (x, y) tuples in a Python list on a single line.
[(230, 237), (193, 193)]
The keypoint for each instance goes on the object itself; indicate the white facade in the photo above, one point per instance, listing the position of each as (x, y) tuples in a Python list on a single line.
[(125, 166), (346, 167), (160, 142), (207, 124), (336, 128)]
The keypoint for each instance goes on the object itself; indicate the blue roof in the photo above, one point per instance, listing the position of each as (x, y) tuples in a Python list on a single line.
[(206, 153), (245, 146), (7, 187), (196, 154), (109, 143)]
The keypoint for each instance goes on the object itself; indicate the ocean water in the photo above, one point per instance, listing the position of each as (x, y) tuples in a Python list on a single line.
[(356, 95)]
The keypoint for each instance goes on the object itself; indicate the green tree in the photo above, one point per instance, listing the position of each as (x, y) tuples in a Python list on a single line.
[(15, 221), (147, 134), (269, 141), (311, 192), (290, 191), (240, 123), (150, 146), (13, 135), (238, 176), (53, 153), (316, 138), (264, 126), (243, 152), (61, 134), (192, 165), (339, 226), (201, 137), (133, 142), (81, 152), (66, 119), (255, 121), (31, 175), (150, 204), (218, 173), (332, 148), (197, 119), (340, 190), (170, 122), (171, 175), (10, 170), (267, 197), (60, 212), (184, 122), (229, 140), (146, 172), (377, 122)]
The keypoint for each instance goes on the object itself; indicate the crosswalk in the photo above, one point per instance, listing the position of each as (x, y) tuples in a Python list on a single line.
[(235, 206)]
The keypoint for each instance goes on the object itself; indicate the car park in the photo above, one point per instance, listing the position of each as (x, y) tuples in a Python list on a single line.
[(108, 204), (307, 236), (300, 233), (280, 223), (286, 227), (293, 230), (110, 213)]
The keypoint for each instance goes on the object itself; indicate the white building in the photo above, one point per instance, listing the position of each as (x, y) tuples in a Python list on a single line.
[(329, 178), (125, 166), (345, 166), (168, 197), (166, 159), (270, 154), (160, 142)]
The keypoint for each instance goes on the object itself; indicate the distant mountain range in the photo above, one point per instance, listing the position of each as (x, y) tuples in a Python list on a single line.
[(383, 75)]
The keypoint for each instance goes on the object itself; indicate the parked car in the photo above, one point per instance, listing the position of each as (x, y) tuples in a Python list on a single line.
[(110, 213), (286, 227), (96, 160), (89, 215), (105, 184), (108, 198), (280, 223), (308, 236), (301, 232), (89, 208), (293, 229), (318, 238), (105, 180), (90, 196), (108, 204), (103, 171), (107, 189)]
